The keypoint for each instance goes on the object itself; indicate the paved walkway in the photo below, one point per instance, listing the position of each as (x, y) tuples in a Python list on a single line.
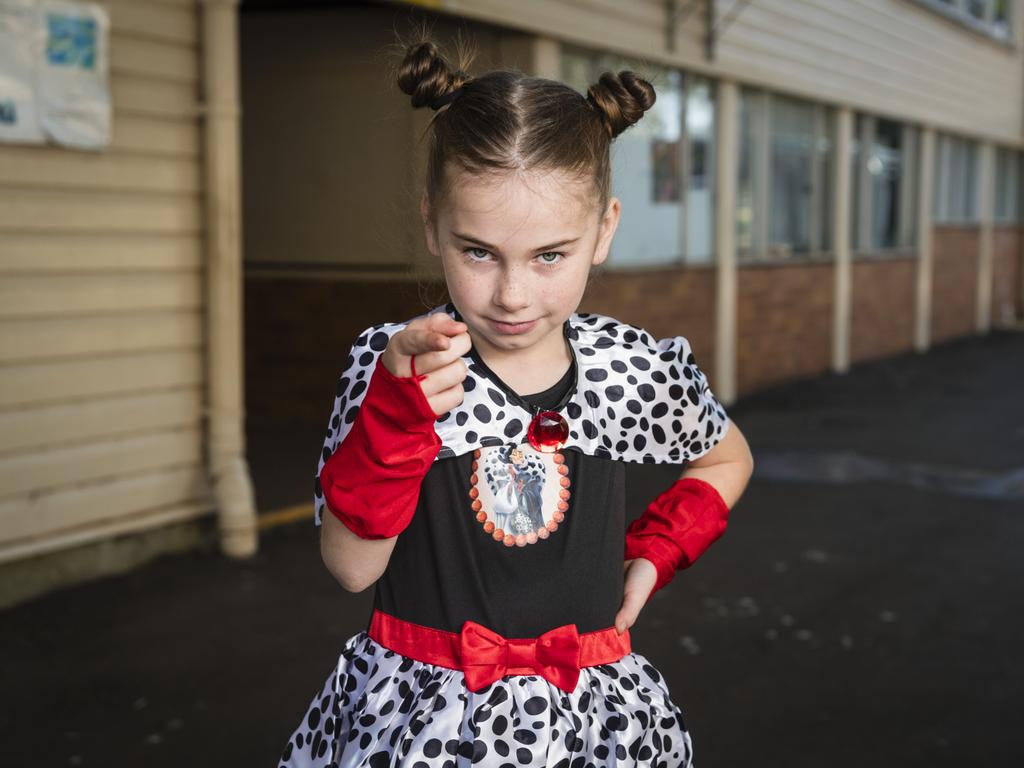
[(862, 609)]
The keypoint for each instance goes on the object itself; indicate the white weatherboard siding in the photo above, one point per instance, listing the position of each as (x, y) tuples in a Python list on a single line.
[(101, 306), (891, 57)]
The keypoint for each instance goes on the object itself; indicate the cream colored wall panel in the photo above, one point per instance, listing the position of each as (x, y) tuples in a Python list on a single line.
[(896, 59), (896, 42), (38, 383), (573, 19), (903, 43), (177, 3), (48, 338), (636, 12), (135, 133), (70, 295), (135, 95), (55, 252), (890, 57), (122, 526), (160, 21), (101, 305), (55, 168), (862, 52), (39, 514), (153, 58), (30, 210), (907, 14), (828, 73), (59, 467), (59, 423)]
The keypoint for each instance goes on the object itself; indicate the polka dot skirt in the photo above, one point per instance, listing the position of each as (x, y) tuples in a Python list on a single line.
[(379, 708)]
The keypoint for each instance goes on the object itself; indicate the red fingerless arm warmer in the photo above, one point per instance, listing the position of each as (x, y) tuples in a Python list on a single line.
[(677, 527), (372, 481)]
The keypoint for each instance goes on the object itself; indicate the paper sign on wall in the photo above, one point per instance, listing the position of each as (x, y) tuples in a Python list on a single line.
[(18, 119), (54, 68)]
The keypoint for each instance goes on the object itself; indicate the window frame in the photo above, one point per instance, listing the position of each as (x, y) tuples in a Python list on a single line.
[(761, 104), (950, 167), (1012, 160), (957, 12)]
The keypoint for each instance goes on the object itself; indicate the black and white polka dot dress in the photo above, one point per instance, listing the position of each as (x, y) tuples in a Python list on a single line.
[(520, 542)]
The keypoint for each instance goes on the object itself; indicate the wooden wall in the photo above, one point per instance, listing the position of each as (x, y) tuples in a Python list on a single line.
[(934, 70), (101, 305)]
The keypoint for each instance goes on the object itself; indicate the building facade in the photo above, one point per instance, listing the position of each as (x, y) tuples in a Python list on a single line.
[(819, 184)]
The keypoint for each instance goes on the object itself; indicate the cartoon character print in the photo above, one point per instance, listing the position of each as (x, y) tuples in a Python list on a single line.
[(516, 479), (524, 494)]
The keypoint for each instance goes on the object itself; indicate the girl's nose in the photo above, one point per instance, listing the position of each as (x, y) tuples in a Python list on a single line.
[(513, 293)]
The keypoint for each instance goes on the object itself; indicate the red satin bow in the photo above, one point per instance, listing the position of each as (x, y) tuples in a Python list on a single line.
[(487, 656)]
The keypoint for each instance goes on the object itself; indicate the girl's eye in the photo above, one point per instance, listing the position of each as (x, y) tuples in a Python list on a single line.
[(546, 261), (470, 251)]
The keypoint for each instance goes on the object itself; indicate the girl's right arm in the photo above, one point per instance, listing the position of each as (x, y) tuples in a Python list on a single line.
[(438, 342), (355, 562)]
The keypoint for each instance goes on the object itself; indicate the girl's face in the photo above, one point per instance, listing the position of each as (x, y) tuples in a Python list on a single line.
[(517, 248)]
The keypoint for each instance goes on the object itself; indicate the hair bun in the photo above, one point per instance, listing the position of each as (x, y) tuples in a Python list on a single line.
[(621, 99), (427, 77)]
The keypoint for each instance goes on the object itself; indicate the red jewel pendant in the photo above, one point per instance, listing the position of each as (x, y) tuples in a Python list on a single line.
[(548, 431)]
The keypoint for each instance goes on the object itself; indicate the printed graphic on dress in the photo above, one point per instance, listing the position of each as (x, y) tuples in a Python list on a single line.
[(519, 495)]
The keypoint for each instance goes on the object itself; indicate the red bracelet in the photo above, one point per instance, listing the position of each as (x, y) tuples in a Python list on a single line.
[(677, 527), (372, 480)]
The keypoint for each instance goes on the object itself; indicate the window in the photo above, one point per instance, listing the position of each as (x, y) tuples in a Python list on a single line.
[(1001, 18), (700, 197), (884, 194), (989, 17), (784, 189), (955, 196), (663, 168), (792, 148), (1008, 175)]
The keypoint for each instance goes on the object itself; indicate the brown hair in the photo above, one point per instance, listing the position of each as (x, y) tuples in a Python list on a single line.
[(505, 120)]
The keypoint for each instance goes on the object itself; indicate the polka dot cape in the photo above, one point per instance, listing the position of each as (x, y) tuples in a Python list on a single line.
[(637, 399)]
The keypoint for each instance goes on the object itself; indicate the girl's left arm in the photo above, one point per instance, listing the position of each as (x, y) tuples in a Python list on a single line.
[(728, 466), (657, 542)]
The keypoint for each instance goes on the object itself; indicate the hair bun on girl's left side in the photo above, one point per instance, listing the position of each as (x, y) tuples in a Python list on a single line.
[(427, 77), (621, 99)]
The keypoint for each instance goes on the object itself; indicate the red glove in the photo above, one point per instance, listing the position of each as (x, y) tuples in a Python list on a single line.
[(372, 481), (677, 527)]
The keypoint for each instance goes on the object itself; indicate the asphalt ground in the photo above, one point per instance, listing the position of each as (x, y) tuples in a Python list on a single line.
[(863, 608)]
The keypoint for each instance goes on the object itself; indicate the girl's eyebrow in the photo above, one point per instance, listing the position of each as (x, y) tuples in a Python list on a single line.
[(489, 247)]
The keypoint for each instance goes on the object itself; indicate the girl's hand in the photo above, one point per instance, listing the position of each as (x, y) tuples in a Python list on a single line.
[(641, 576), (438, 342)]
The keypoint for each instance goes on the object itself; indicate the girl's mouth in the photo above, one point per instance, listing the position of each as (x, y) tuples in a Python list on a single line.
[(513, 328)]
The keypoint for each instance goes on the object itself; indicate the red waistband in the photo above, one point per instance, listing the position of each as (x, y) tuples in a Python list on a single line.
[(484, 656)]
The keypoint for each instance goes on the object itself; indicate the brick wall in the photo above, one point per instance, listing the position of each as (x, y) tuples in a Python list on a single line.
[(954, 282), (666, 302), (298, 332), (883, 296), (1007, 302), (784, 324)]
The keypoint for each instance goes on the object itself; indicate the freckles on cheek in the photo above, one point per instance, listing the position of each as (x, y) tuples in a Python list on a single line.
[(464, 286)]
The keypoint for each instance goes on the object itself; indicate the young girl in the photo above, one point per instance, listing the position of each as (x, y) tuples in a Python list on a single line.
[(474, 464)]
